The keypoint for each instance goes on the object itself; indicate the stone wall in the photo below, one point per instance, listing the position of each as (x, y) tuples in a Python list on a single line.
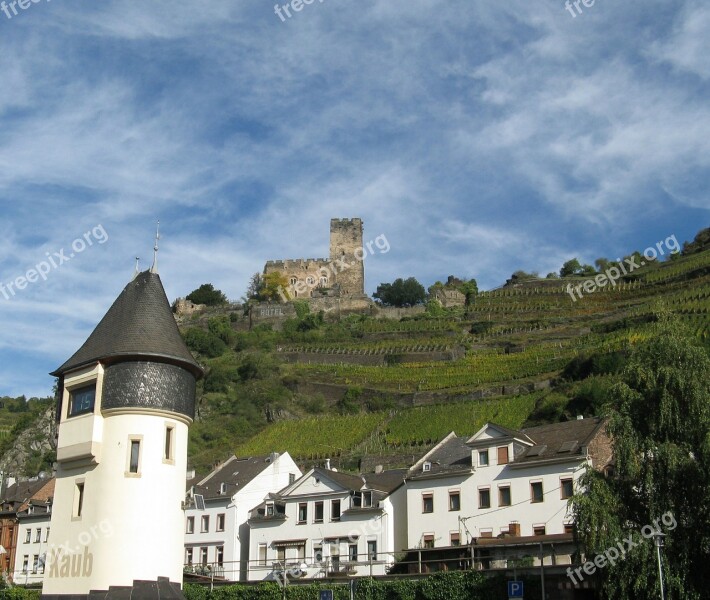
[(346, 247)]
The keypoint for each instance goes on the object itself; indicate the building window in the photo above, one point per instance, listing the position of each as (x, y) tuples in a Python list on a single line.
[(367, 499), (536, 493), (566, 489), (569, 528), (302, 512), (38, 535), (427, 503), (293, 280), (455, 500), (78, 499), (426, 467), (188, 556), (372, 550), (220, 556), (81, 400), (504, 498), (352, 552), (484, 498), (310, 281), (262, 555), (220, 522), (28, 536), (335, 510), (25, 563), (291, 478), (46, 535), (538, 530), (281, 554), (134, 456), (190, 525), (455, 539), (203, 555), (486, 533), (318, 513), (35, 563), (483, 458), (428, 541), (503, 455), (301, 552), (324, 281), (318, 553), (169, 443), (205, 524)]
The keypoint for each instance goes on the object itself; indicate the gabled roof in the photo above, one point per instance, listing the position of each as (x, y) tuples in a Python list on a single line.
[(139, 325), (450, 456), (387, 481), (558, 441), (236, 473), (20, 494), (505, 431)]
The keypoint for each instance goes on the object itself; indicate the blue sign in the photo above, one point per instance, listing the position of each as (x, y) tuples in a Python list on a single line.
[(515, 589), (326, 595)]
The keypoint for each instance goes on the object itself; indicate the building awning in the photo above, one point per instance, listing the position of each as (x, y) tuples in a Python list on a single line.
[(288, 543)]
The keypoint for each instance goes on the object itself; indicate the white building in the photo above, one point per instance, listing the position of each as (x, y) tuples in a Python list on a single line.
[(127, 397), (217, 538), (33, 523), (501, 482), (329, 523)]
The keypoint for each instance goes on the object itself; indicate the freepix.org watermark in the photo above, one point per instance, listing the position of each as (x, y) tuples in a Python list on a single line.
[(622, 547), (293, 5), (54, 261), (574, 8), (338, 266), (628, 265), (10, 8)]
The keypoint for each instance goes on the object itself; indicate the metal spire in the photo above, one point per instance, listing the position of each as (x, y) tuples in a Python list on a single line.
[(154, 268), (137, 270)]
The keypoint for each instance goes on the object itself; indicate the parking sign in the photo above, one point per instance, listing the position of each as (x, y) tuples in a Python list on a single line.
[(515, 589)]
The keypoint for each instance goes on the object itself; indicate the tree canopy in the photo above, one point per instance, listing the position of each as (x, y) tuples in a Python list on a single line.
[(402, 292), (208, 295), (659, 420)]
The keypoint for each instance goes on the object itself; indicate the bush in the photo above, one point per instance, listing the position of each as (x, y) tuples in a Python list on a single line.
[(204, 342), (206, 294)]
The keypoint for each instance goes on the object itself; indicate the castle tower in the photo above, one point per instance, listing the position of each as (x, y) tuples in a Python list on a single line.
[(346, 248), (126, 399)]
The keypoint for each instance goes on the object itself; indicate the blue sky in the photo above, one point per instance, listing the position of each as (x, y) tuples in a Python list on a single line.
[(479, 137)]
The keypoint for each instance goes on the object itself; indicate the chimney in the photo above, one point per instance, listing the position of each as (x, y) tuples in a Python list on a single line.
[(273, 457), (190, 474), (514, 529), (327, 464), (379, 469)]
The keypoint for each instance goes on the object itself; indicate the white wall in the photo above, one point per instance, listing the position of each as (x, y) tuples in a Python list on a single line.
[(356, 527), (34, 573), (236, 506)]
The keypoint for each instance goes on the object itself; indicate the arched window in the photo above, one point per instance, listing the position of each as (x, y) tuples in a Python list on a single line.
[(310, 281), (293, 281), (324, 281)]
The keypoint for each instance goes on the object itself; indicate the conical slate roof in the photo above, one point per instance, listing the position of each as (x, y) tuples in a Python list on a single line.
[(139, 326)]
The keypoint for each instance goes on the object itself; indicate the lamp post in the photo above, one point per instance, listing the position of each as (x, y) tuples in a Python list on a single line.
[(658, 539)]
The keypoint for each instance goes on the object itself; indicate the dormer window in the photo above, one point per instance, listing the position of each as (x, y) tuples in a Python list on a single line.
[(426, 467), (269, 510), (81, 400), (222, 488), (366, 499), (483, 458)]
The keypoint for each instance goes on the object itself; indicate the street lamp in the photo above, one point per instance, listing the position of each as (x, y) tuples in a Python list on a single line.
[(658, 539)]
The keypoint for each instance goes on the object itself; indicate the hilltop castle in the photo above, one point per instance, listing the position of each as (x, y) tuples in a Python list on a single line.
[(341, 275)]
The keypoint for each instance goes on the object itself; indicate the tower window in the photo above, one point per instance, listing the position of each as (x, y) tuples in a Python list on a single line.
[(78, 499), (81, 400), (134, 458), (169, 443)]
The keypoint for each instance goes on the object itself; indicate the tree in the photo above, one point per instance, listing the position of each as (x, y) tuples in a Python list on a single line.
[(206, 294), (402, 292), (659, 419), (256, 284), (275, 287), (602, 264), (572, 268), (700, 243)]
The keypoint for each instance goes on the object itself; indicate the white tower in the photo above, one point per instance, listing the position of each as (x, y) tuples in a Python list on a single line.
[(127, 398)]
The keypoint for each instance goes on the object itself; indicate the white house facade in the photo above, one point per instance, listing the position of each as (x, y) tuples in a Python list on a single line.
[(32, 543), (217, 538), (501, 482), (328, 524)]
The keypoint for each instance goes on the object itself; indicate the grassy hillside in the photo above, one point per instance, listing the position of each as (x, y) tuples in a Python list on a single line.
[(529, 334)]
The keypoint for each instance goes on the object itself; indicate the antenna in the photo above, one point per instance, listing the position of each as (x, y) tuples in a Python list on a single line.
[(154, 268)]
